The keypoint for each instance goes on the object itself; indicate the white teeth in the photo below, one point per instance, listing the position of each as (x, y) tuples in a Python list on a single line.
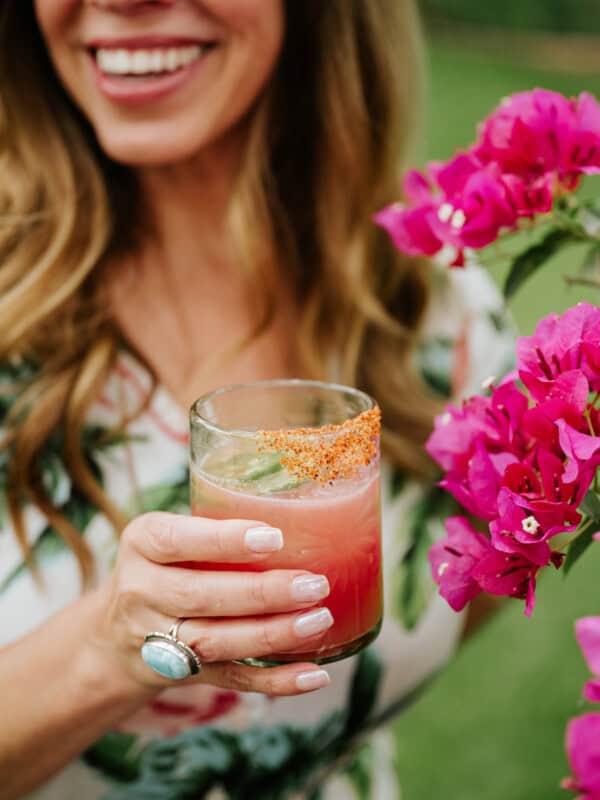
[(146, 62)]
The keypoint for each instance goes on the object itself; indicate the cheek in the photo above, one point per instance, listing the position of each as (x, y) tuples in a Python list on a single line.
[(257, 27), (53, 15)]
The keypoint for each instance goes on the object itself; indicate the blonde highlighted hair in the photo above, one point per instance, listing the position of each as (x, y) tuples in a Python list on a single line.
[(325, 152)]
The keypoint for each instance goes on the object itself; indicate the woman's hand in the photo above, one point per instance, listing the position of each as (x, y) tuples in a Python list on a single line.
[(227, 614)]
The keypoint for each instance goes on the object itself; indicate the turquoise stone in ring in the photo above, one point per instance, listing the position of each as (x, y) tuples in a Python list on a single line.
[(170, 657)]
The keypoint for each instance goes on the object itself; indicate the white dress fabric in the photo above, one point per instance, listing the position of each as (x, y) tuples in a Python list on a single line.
[(267, 748)]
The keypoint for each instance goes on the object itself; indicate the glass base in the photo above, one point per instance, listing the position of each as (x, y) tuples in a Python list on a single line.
[(331, 654)]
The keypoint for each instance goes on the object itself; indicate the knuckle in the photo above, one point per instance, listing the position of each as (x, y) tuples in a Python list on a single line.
[(160, 532), (271, 685), (258, 594), (188, 597), (130, 599), (126, 612), (238, 678), (207, 648), (267, 640), (220, 536)]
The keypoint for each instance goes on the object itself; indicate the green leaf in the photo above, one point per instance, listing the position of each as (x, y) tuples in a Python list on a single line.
[(527, 263), (590, 505), (499, 320), (47, 546), (577, 548), (397, 482), (414, 584), (117, 755), (436, 359), (174, 497), (359, 772), (363, 690), (591, 262)]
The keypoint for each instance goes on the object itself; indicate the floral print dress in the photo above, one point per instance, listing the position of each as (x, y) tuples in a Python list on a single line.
[(200, 741)]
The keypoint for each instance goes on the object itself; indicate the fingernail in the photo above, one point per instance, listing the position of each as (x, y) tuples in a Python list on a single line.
[(314, 622), (310, 587), (308, 681), (264, 540)]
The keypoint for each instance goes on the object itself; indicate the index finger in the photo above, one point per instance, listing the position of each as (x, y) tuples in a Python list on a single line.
[(174, 538)]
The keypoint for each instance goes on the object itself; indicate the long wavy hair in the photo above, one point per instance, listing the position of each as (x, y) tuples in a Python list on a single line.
[(325, 151)]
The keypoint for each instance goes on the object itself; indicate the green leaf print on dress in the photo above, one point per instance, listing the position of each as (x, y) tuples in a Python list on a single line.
[(74, 505), (266, 763), (413, 585)]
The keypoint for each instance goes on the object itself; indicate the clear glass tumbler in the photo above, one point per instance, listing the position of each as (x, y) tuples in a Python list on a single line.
[(302, 456)]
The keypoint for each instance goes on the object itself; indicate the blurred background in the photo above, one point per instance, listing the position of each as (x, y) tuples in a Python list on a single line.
[(492, 727)]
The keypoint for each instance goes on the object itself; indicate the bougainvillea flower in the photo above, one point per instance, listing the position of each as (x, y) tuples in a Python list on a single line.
[(587, 631), (538, 132), (507, 574), (453, 560), (584, 150), (495, 420), (583, 751), (456, 431), (560, 344), (582, 451), (517, 531), (529, 198), (568, 401), (477, 489), (410, 228), (477, 214)]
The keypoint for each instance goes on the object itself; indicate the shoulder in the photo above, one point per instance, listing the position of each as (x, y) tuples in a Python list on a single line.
[(468, 334)]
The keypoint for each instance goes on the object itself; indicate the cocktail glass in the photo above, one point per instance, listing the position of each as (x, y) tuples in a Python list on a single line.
[(302, 456)]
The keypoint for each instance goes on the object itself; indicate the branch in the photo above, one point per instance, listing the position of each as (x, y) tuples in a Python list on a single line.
[(574, 280)]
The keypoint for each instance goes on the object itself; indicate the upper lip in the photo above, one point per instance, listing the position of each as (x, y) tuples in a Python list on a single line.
[(146, 42)]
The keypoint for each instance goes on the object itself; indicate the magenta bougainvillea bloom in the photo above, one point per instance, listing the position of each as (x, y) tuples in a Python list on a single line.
[(524, 460), (454, 559), (508, 575), (465, 563), (583, 750), (582, 451), (476, 204), (538, 132), (532, 149), (410, 229), (560, 344), (524, 463), (587, 631)]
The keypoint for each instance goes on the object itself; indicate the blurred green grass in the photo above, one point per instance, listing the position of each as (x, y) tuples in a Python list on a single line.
[(492, 727)]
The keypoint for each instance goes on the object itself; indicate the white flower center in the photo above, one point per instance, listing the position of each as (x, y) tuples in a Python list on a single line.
[(530, 525), (458, 219), (446, 210)]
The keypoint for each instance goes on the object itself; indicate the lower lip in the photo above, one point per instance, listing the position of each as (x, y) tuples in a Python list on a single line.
[(130, 91)]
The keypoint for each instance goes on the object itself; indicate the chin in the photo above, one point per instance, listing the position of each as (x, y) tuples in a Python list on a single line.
[(149, 146)]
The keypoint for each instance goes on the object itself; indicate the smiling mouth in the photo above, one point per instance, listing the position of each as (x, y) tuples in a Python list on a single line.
[(117, 62)]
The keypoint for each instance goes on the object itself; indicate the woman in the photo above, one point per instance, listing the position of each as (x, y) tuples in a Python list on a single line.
[(186, 202)]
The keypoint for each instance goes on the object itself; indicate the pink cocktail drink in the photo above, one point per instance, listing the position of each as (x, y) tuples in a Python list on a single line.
[(302, 456), (334, 533)]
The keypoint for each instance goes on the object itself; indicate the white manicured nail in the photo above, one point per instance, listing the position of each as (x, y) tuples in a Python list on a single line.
[(313, 622), (310, 588), (309, 681), (264, 540)]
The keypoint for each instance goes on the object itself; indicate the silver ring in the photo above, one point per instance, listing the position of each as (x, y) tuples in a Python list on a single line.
[(167, 655)]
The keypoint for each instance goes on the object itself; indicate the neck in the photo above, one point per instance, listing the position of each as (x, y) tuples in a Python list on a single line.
[(187, 205)]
